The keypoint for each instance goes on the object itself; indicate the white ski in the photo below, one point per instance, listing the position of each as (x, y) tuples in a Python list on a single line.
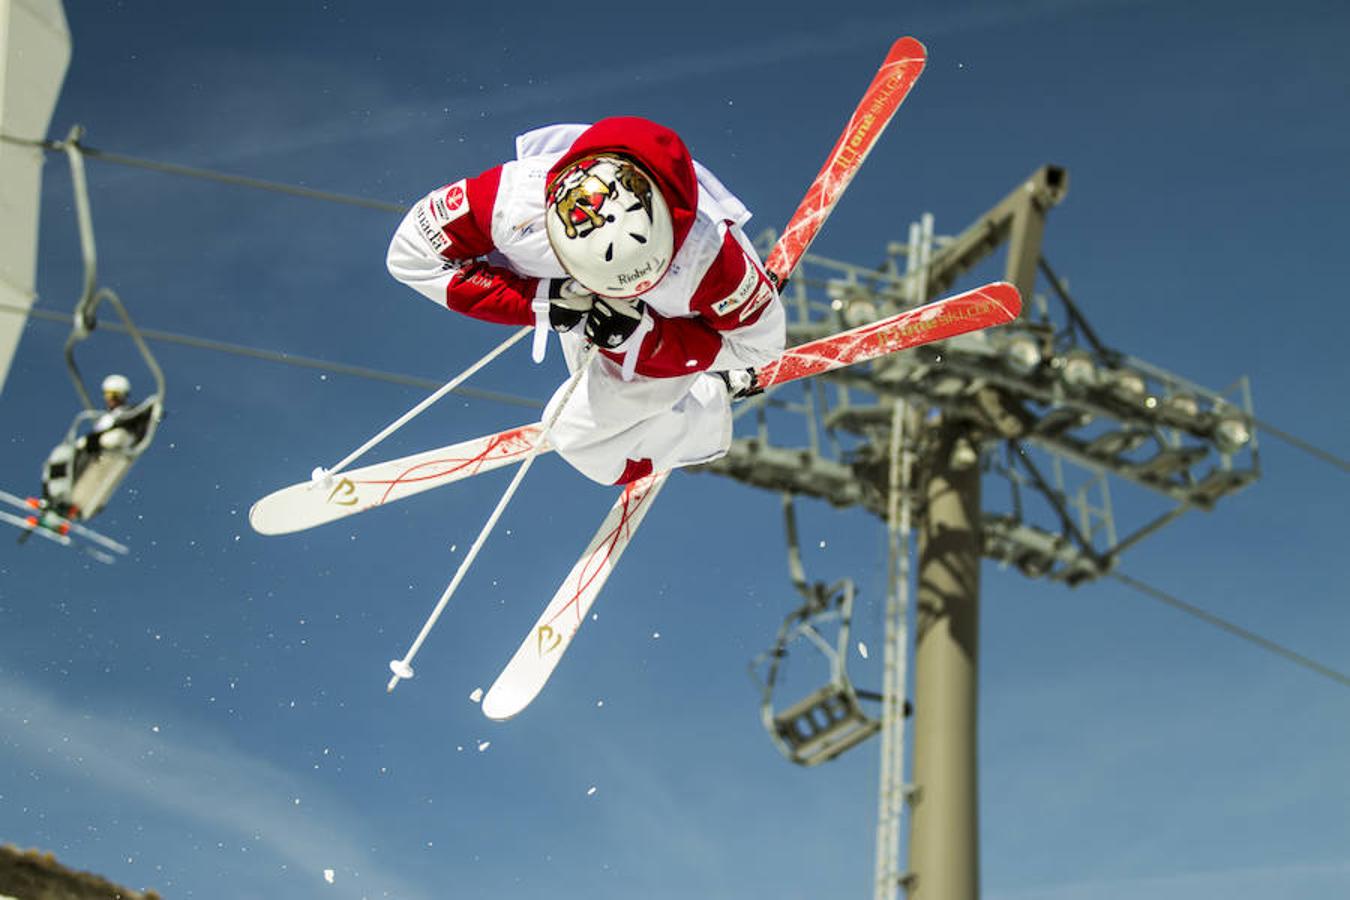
[(47, 524), (312, 503), (529, 670), (317, 502), (24, 524)]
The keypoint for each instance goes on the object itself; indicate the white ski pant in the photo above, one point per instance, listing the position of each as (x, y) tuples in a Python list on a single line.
[(608, 421)]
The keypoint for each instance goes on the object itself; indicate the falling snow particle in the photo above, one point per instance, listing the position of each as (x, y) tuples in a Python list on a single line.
[(862, 649), (599, 703), (477, 695), (155, 729), (591, 791), (656, 635), (483, 745), (328, 875), (822, 545)]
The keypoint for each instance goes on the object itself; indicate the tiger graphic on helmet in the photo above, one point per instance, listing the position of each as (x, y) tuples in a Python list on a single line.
[(580, 192), (609, 225)]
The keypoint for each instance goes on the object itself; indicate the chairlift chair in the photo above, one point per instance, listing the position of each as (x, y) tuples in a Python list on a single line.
[(85, 482), (829, 720)]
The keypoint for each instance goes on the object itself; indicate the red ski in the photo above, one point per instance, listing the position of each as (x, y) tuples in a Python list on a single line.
[(311, 503), (994, 304), (883, 97)]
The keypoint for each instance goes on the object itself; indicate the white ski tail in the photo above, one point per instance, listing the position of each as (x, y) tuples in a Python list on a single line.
[(529, 670), (312, 503), (316, 502)]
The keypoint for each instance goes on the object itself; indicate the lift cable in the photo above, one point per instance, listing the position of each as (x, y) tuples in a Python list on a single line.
[(1303, 445), (385, 206), (1235, 630), (410, 380), (289, 359), (210, 175)]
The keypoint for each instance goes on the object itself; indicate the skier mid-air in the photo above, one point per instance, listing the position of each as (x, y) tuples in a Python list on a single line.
[(614, 237), (610, 234)]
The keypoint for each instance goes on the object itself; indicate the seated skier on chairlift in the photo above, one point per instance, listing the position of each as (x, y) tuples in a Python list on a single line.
[(103, 454)]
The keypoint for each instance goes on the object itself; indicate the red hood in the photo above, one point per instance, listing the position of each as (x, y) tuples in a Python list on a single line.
[(657, 149)]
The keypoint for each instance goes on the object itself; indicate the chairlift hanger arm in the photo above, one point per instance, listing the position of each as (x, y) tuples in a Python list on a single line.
[(84, 318)]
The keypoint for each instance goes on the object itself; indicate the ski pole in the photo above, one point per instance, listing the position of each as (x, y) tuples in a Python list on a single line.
[(402, 668), (322, 474)]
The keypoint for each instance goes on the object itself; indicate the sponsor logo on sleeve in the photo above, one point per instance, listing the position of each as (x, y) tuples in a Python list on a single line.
[(762, 297), (449, 204), (435, 236), (743, 292)]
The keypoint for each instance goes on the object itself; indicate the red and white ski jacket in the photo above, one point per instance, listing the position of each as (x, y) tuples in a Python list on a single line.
[(479, 247)]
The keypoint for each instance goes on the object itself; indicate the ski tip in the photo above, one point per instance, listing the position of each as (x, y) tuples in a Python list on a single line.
[(908, 48), (498, 709), (1006, 295), (283, 511), (259, 521), (501, 704)]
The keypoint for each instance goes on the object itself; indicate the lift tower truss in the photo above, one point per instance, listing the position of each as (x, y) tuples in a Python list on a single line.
[(1017, 434)]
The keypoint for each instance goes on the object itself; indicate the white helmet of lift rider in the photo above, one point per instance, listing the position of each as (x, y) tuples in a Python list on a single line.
[(609, 225), (116, 388)]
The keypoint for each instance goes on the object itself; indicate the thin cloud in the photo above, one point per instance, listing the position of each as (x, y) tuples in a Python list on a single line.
[(1329, 879), (199, 781), (366, 111)]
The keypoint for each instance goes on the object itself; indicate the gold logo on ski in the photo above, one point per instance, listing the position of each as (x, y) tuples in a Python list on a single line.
[(549, 640), (348, 492)]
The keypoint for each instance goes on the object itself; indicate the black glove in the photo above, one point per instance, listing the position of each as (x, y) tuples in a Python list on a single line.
[(611, 322), (568, 303)]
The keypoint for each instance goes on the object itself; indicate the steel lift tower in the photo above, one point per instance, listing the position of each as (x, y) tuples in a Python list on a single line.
[(1041, 409)]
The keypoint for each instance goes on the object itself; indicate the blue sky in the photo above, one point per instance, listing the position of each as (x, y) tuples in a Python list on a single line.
[(212, 712)]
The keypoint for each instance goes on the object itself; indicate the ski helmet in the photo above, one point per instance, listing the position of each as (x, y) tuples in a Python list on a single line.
[(609, 225), (117, 385)]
